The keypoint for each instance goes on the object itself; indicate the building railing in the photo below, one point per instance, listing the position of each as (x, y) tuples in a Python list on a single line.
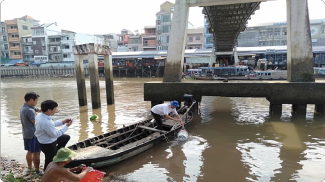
[(14, 48), (149, 45), (13, 39), (16, 57), (55, 43), (11, 22), (28, 52), (14, 30)]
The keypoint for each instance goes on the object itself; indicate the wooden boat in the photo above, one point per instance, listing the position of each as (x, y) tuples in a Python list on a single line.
[(110, 148)]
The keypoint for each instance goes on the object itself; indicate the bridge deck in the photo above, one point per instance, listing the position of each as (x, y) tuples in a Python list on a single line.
[(277, 92)]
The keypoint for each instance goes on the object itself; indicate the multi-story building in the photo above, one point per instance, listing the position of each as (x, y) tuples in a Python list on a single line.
[(4, 44), (110, 40), (135, 43), (54, 48), (163, 26), (16, 29), (122, 43), (40, 38), (149, 38), (194, 38), (70, 39), (275, 34), (27, 48), (207, 36)]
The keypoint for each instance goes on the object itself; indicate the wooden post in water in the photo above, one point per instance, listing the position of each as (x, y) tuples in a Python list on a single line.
[(109, 79), (92, 50)]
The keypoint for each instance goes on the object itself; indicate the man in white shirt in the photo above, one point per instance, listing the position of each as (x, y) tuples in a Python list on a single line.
[(50, 140), (163, 110)]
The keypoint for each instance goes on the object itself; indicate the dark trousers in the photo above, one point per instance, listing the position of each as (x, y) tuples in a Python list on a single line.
[(50, 149), (158, 120)]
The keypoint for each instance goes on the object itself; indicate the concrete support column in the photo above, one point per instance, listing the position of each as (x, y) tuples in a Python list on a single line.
[(236, 56), (153, 103), (80, 77), (275, 109), (176, 48), (109, 79), (300, 53), (300, 109), (320, 108), (94, 81)]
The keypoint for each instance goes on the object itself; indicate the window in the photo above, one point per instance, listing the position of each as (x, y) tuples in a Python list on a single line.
[(158, 27), (164, 39), (209, 40), (197, 37), (34, 42), (158, 17), (66, 47), (13, 36), (13, 27), (135, 48), (3, 29), (36, 51), (165, 18), (66, 56), (191, 39), (67, 38), (25, 27), (164, 47), (159, 48), (165, 29), (4, 38)]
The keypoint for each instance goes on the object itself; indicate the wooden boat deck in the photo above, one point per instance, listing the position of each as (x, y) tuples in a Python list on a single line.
[(96, 151)]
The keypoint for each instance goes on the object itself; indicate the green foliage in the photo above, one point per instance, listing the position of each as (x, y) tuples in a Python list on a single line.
[(10, 178)]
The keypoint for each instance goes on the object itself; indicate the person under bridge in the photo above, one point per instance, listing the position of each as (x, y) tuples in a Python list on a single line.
[(163, 110)]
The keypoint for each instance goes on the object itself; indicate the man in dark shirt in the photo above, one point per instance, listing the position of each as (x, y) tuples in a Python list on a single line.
[(27, 118)]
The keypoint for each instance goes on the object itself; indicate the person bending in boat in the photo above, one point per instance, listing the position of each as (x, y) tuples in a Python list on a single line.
[(163, 110), (50, 140), (55, 171)]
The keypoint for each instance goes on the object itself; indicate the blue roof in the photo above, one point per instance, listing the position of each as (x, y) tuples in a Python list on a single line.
[(14, 61)]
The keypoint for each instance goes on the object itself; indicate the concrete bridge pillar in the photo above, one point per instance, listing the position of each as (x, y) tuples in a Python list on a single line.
[(176, 48), (94, 81), (236, 56), (109, 79), (92, 50), (300, 53), (80, 77)]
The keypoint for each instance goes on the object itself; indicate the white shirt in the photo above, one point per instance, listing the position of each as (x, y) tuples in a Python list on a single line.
[(163, 109), (45, 129)]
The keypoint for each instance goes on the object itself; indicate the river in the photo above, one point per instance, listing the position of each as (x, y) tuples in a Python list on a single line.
[(233, 139)]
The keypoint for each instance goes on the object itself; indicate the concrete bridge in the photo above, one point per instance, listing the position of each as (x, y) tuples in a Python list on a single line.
[(227, 19)]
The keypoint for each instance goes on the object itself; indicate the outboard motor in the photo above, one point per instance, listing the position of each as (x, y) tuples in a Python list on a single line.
[(188, 99)]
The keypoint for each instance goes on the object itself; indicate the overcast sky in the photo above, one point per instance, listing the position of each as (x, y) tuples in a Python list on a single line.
[(108, 16)]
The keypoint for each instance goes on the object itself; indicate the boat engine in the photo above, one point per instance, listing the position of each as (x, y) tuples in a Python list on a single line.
[(188, 99)]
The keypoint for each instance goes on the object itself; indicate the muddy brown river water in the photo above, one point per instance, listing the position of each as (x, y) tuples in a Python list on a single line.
[(233, 139)]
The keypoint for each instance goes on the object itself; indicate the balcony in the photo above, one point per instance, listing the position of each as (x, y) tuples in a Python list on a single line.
[(149, 35), (28, 52), (54, 43), (146, 45), (11, 22), (16, 57), (55, 52), (14, 30), (14, 48), (14, 39)]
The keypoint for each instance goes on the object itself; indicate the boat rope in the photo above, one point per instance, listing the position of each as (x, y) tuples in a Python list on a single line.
[(132, 131), (166, 138)]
